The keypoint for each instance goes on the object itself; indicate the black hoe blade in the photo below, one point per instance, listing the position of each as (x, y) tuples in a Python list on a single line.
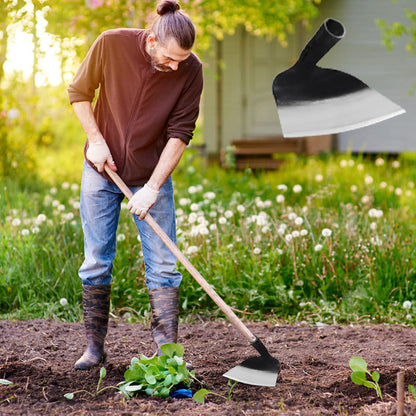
[(313, 101), (257, 371)]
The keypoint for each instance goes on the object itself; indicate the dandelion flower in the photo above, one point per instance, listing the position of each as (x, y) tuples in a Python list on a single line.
[(25, 232), (379, 161), (299, 221), (292, 216), (398, 191), (297, 189), (222, 220), (16, 222), (241, 208), (319, 178), (257, 251), (288, 237), (343, 163), (407, 304), (280, 199), (213, 227), (63, 302), (368, 180), (65, 185), (121, 237), (192, 250), (295, 234), (282, 187), (318, 247), (326, 232), (228, 214), (303, 232), (395, 164)]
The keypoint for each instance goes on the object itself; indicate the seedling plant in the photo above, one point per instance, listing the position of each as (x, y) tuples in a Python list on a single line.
[(157, 376), (359, 375)]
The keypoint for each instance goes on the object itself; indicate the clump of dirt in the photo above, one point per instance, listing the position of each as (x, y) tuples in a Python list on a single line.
[(38, 357)]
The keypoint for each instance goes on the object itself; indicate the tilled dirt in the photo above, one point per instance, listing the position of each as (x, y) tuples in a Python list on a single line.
[(38, 357)]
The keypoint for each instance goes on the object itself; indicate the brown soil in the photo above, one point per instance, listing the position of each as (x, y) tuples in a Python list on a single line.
[(38, 357)]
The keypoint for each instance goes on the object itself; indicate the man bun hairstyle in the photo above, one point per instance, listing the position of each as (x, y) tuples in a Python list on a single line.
[(172, 22)]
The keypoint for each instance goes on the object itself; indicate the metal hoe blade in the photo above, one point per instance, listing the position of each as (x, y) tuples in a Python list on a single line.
[(257, 371)]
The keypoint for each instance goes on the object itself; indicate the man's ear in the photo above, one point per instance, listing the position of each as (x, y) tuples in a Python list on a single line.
[(151, 41)]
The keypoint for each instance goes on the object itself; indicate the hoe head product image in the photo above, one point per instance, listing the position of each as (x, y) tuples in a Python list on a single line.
[(313, 101), (259, 370)]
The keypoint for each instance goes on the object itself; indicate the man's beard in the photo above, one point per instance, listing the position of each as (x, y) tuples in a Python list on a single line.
[(156, 65)]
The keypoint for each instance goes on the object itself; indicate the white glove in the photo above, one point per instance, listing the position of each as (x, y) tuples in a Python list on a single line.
[(142, 201), (98, 153)]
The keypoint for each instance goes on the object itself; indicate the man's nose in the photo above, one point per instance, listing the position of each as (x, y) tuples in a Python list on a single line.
[(173, 66)]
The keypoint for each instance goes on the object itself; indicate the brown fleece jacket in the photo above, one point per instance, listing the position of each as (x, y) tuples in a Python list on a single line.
[(138, 108)]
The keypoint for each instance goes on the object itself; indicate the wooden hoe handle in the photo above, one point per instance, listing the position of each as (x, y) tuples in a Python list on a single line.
[(185, 262)]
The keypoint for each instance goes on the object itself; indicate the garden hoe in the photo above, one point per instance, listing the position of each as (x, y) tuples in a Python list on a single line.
[(258, 371), (314, 101)]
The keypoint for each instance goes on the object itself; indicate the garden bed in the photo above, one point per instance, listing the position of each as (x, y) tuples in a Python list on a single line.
[(38, 357)]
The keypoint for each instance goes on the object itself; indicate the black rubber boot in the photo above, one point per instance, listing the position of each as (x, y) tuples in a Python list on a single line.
[(96, 304), (164, 302)]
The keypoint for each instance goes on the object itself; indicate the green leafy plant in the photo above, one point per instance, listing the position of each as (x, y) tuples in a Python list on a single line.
[(200, 395), (359, 375), (412, 390), (103, 373), (156, 376)]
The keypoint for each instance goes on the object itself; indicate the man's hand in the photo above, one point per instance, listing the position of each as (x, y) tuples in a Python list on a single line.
[(142, 201), (98, 153)]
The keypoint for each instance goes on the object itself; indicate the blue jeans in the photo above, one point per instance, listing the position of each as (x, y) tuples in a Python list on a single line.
[(100, 211)]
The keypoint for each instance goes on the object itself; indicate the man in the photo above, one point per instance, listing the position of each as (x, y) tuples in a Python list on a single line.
[(150, 85)]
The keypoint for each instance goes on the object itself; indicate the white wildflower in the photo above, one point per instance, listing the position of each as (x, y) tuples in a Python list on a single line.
[(318, 247), (228, 214), (121, 237), (297, 189), (379, 161), (298, 220), (63, 302), (222, 220), (280, 199), (241, 208), (282, 187), (16, 222), (257, 251), (319, 178), (395, 164), (292, 216), (295, 234), (407, 304), (398, 191), (288, 237), (25, 232), (354, 188), (368, 180), (303, 232), (65, 185), (326, 232)]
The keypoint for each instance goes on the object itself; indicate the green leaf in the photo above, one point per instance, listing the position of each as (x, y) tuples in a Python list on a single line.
[(199, 396), (375, 376), (412, 390), (6, 382), (173, 349), (150, 378), (69, 396), (133, 387), (358, 377), (358, 364), (370, 385)]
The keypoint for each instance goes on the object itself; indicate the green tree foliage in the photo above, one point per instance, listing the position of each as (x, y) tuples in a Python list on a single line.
[(400, 30), (85, 19)]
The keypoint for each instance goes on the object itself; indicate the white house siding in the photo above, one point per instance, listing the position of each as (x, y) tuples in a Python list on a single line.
[(362, 54)]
